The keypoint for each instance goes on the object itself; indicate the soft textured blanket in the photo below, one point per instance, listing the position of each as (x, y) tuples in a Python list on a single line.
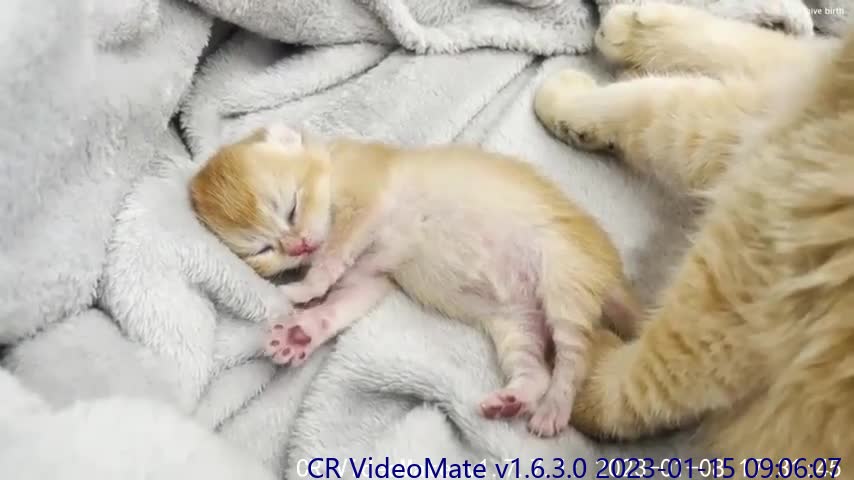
[(133, 334), (436, 26)]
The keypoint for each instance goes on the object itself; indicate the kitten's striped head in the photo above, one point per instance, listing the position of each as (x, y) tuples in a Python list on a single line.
[(267, 197)]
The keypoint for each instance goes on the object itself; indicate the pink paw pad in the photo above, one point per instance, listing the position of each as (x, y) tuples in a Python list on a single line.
[(298, 336), (292, 341), (502, 405), (288, 344)]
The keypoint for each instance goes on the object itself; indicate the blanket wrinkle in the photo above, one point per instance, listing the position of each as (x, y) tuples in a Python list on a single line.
[(139, 439), (118, 23), (133, 334), (75, 133), (168, 292), (435, 26)]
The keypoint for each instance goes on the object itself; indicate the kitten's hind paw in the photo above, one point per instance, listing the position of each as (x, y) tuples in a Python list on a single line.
[(560, 105), (506, 403), (550, 418)]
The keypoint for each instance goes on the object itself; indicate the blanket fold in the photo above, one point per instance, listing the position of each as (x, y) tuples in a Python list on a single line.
[(117, 23), (115, 437), (436, 26), (75, 131)]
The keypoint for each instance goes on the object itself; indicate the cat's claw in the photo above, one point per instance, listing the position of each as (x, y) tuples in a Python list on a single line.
[(291, 342)]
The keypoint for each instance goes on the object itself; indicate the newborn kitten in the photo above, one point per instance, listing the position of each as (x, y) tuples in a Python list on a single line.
[(477, 236)]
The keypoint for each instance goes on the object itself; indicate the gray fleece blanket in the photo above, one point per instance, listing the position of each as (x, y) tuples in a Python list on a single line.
[(132, 335)]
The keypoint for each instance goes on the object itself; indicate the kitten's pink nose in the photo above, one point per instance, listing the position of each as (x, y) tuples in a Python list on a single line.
[(303, 248), (308, 247)]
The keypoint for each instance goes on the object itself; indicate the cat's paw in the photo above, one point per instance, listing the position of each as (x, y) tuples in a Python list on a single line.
[(506, 403), (557, 88), (320, 277), (551, 416), (292, 341), (278, 306), (630, 34), (560, 105), (303, 292)]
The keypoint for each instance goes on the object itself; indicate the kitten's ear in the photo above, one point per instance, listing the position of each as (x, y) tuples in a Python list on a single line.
[(283, 135), (317, 145)]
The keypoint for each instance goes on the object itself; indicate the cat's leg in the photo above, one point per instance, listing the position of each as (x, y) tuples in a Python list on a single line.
[(664, 37), (292, 340), (520, 347), (694, 356), (351, 235), (682, 130), (572, 305)]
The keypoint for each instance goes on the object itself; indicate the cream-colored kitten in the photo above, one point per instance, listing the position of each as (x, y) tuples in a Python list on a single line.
[(477, 236), (754, 336)]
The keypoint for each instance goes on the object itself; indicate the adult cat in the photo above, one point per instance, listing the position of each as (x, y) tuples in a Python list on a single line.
[(753, 339)]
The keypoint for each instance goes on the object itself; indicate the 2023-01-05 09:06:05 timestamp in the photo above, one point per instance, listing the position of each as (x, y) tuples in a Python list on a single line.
[(751, 467)]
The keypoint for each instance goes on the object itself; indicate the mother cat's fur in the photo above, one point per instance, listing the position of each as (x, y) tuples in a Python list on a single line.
[(754, 336)]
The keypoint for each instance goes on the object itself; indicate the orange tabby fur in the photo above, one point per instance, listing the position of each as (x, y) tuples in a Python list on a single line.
[(754, 336), (478, 236)]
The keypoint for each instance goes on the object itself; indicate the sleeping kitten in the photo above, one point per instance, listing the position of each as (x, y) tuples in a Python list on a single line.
[(477, 236), (754, 337)]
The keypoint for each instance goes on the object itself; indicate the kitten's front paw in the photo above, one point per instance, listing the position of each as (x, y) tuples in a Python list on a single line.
[(293, 340), (303, 292), (629, 34), (560, 105)]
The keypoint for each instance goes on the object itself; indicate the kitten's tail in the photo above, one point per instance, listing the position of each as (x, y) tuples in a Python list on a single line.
[(622, 312), (572, 306)]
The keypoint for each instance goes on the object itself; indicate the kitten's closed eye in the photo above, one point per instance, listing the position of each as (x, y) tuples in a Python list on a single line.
[(266, 249), (292, 215)]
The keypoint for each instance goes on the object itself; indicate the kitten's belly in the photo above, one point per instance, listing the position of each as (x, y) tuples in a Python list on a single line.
[(472, 276)]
